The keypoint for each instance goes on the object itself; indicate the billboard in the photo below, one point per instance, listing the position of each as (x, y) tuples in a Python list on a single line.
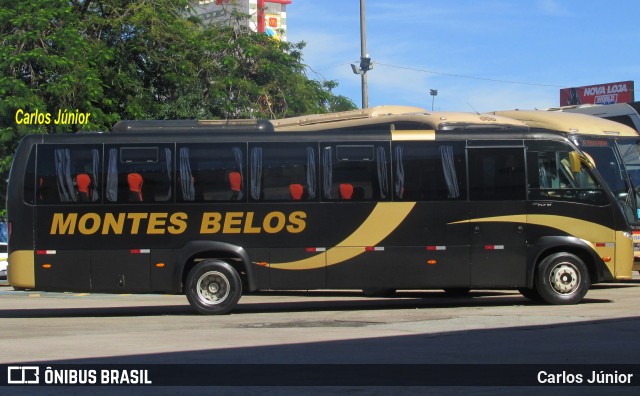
[(610, 93)]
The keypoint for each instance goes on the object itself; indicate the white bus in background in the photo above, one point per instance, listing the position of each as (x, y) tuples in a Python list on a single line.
[(624, 113)]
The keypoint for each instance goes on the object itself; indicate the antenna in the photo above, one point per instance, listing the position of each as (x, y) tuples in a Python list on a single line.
[(474, 109)]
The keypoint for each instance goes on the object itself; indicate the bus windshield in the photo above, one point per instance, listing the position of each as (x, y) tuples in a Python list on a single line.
[(630, 153), (618, 162)]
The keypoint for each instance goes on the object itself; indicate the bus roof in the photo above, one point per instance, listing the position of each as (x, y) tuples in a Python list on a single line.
[(599, 109), (393, 114), (168, 126), (568, 122)]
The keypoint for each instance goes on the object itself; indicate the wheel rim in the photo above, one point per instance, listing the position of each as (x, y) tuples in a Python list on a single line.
[(564, 278), (213, 288)]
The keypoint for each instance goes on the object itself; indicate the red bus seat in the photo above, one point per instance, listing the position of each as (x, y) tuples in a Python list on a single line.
[(235, 182), (83, 182), (296, 191), (135, 187), (346, 191)]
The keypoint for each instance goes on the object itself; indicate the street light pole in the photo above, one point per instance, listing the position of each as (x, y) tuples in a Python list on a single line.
[(363, 55), (433, 93), (365, 61)]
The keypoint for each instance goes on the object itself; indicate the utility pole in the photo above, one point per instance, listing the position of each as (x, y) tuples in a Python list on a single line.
[(365, 60)]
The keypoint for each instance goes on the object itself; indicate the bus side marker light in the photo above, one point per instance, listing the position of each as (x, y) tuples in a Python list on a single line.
[(262, 263), (493, 247), (159, 265), (140, 251), (46, 266), (606, 259), (431, 262), (605, 244)]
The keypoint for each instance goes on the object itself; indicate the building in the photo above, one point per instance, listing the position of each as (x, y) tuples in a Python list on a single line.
[(266, 16)]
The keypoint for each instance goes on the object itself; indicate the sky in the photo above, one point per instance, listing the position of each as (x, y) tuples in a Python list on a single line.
[(481, 55)]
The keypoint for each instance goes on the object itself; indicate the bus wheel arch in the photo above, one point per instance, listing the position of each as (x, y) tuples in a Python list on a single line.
[(213, 287), (197, 251), (562, 278)]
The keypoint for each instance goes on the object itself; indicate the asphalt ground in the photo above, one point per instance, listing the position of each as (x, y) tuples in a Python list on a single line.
[(418, 329)]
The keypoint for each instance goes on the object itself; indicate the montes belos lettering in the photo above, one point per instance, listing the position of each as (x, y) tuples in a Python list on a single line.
[(164, 223)]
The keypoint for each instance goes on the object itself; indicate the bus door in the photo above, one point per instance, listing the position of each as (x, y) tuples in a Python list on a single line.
[(433, 240), (497, 195)]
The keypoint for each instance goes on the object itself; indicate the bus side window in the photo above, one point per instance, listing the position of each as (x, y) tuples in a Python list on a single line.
[(429, 171), (550, 176), (68, 174), (496, 174), (210, 172), (138, 173), (356, 172), (283, 172)]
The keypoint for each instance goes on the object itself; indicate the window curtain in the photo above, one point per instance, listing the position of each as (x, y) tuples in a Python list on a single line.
[(169, 160), (66, 189), (186, 177), (311, 172), (383, 173), (399, 182), (95, 169), (327, 168), (256, 172), (449, 169), (237, 153), (112, 176)]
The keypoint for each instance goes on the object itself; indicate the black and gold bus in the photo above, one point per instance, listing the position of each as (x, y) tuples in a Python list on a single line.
[(612, 147), (379, 200)]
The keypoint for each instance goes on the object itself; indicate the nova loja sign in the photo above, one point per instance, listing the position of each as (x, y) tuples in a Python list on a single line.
[(610, 93)]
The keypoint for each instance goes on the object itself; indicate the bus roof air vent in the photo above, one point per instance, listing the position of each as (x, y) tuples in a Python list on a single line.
[(176, 126)]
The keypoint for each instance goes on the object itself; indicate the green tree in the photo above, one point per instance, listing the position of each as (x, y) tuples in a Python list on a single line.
[(250, 75), (142, 59)]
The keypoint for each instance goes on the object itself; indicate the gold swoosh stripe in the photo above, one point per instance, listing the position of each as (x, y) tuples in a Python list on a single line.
[(588, 232), (383, 219), (585, 230)]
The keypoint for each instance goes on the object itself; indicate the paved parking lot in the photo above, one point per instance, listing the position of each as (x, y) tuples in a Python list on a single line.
[(324, 327)]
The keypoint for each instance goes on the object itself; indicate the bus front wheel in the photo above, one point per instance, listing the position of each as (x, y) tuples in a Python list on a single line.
[(562, 279), (213, 287)]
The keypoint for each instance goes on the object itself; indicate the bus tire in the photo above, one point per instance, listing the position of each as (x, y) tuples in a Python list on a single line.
[(457, 291), (531, 294), (213, 287), (379, 292), (562, 279)]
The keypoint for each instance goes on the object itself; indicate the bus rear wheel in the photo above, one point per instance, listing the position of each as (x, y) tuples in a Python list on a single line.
[(213, 287), (562, 279)]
